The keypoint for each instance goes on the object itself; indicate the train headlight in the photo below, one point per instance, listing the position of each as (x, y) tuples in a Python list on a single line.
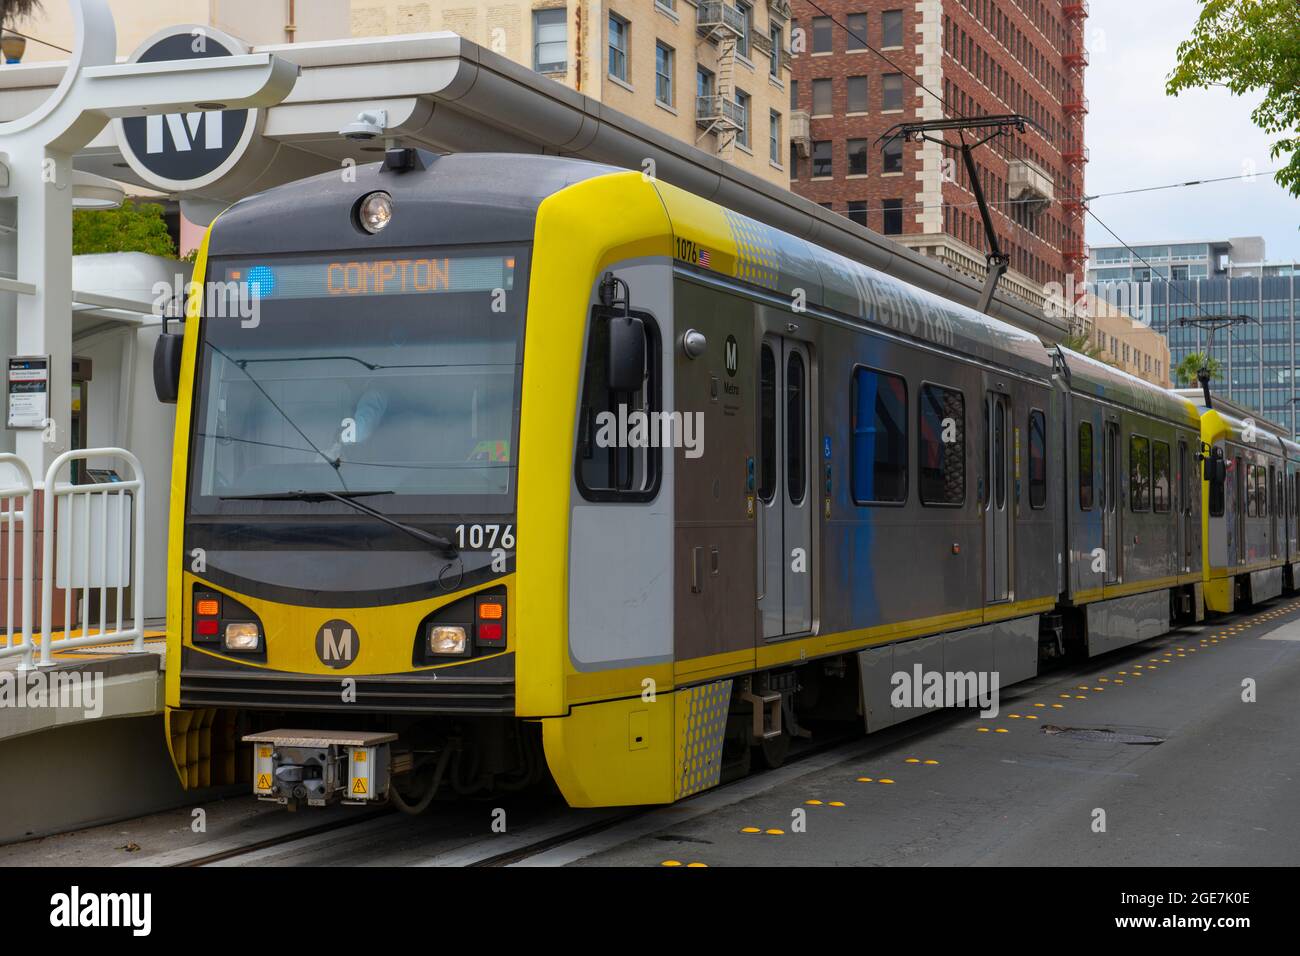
[(375, 212), (448, 640), (243, 636)]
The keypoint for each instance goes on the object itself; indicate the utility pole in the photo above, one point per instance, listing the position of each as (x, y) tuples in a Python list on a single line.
[(1212, 324), (992, 127)]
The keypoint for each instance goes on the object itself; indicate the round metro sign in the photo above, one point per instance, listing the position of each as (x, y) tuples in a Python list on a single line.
[(184, 151)]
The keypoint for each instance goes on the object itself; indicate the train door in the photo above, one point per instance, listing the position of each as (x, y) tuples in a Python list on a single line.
[(1186, 535), (785, 509), (997, 498), (1111, 512), (1239, 519), (1272, 510)]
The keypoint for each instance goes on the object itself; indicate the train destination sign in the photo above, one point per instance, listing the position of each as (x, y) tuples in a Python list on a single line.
[(369, 276)]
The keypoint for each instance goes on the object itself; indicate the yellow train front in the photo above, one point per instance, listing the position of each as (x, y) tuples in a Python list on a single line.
[(366, 510)]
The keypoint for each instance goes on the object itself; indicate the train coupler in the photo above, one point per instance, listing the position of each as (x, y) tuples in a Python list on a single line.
[(320, 767)]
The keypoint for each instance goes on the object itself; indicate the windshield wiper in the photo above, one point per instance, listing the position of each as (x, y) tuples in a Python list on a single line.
[(347, 498)]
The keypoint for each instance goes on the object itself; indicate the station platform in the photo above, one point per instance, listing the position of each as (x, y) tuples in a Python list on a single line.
[(82, 739)]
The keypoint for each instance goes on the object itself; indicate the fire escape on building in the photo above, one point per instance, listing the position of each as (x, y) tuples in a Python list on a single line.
[(1074, 153), (724, 25)]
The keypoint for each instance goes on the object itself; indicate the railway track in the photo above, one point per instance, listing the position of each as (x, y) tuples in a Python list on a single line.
[(567, 827)]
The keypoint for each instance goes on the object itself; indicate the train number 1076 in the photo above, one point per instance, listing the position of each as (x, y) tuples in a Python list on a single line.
[(479, 536)]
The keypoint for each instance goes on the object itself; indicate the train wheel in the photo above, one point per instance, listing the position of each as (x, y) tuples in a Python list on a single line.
[(771, 753)]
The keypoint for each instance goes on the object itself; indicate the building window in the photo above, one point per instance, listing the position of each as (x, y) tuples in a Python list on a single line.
[(892, 212), (747, 14), (857, 31), (823, 92), (857, 94), (822, 27), (704, 85), (893, 156), (664, 62), (550, 41), (858, 211), (891, 91), (794, 94), (794, 161), (822, 165), (618, 46), (879, 463), (774, 137), (892, 23), (774, 61), (857, 157), (941, 451), (742, 105)]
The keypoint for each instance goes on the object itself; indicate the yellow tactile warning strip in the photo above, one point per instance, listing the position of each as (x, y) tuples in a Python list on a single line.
[(701, 722), (92, 652)]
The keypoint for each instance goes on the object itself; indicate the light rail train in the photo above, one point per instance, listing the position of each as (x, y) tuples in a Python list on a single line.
[(525, 466)]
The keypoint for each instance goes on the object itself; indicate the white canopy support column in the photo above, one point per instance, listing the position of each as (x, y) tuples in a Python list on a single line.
[(36, 153)]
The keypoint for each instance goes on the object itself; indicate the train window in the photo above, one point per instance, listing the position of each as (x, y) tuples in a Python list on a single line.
[(1216, 489), (1085, 466), (1000, 452), (879, 405), (767, 423), (612, 466), (1160, 469), (1037, 459), (1261, 492), (1139, 473), (941, 451), (1250, 492), (796, 439)]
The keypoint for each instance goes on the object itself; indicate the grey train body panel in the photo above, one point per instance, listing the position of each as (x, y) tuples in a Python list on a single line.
[(892, 673), (1121, 621)]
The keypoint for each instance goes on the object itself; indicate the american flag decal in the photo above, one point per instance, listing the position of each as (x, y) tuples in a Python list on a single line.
[(702, 258)]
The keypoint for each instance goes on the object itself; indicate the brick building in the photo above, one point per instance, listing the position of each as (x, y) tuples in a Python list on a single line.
[(983, 57)]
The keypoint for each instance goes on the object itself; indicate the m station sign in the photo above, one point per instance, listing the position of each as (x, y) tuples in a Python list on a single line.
[(182, 152)]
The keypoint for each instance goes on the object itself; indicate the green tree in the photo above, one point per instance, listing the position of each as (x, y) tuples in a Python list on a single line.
[(1248, 45), (13, 10), (1185, 373), (1082, 343), (130, 228)]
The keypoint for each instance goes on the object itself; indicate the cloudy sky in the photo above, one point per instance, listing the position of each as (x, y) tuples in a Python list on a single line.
[(1141, 137)]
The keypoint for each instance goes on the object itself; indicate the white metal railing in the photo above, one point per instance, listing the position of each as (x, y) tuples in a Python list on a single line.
[(12, 493), (99, 546)]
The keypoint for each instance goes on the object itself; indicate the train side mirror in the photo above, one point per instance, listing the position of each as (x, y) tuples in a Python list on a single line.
[(1216, 469), (626, 353), (167, 352)]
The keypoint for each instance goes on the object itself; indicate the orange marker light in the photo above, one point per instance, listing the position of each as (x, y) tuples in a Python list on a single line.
[(207, 607), (490, 611)]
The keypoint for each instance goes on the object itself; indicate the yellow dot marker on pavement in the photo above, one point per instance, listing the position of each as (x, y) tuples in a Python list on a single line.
[(1059, 706), (1003, 730), (775, 832), (697, 866), (750, 830), (1040, 705), (864, 780), (884, 780), (981, 730), (671, 863), (932, 763), (813, 803), (836, 803), (911, 760)]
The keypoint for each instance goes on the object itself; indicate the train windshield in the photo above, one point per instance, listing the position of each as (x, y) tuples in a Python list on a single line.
[(360, 376)]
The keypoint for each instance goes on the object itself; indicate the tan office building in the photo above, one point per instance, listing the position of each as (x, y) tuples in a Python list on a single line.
[(713, 73), (1127, 343)]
